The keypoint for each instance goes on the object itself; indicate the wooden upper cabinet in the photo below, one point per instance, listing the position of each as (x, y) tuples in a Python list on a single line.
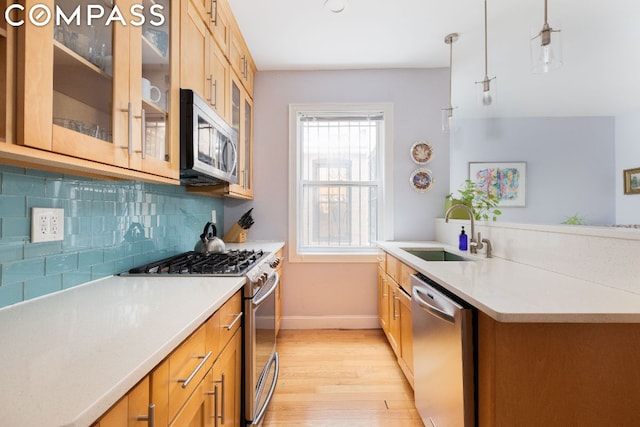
[(241, 61), (220, 23), (203, 68), (85, 97), (242, 121), (7, 79), (215, 14)]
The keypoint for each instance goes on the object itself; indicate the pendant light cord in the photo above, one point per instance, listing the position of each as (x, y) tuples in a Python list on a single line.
[(450, 69), (486, 67), (545, 12)]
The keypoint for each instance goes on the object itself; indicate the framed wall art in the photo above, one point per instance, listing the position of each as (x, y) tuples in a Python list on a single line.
[(632, 181), (505, 180)]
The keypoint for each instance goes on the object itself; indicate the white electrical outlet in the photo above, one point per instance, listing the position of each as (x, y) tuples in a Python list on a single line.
[(47, 225), (213, 217)]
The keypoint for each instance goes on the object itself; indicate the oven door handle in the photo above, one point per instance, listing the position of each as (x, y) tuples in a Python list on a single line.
[(269, 292), (258, 417)]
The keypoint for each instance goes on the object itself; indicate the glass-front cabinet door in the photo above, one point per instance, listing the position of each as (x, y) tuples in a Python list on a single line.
[(97, 83), (247, 151), (242, 121), (7, 76), (159, 89)]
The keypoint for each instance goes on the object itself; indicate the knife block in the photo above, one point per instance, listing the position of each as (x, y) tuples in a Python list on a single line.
[(236, 234)]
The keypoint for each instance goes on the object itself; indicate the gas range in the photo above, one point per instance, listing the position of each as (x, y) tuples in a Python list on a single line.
[(229, 263)]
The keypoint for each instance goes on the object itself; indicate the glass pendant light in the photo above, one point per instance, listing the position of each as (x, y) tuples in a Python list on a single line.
[(545, 56), (487, 96), (335, 6), (447, 113)]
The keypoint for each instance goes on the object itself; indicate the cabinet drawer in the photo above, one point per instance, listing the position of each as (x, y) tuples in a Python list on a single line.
[(187, 366), (230, 318), (405, 277), (194, 412), (224, 322), (392, 267)]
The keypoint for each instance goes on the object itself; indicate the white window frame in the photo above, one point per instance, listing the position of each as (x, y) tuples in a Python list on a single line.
[(385, 203)]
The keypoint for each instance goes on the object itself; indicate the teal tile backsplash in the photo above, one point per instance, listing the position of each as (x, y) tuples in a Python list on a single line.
[(109, 227)]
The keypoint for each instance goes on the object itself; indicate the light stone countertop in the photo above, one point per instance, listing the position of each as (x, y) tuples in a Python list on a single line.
[(512, 292), (67, 357)]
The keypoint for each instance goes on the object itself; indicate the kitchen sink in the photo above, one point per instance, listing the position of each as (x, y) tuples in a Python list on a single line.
[(429, 254)]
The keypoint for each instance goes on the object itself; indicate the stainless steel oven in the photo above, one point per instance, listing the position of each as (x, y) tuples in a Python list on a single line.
[(261, 363), (260, 360)]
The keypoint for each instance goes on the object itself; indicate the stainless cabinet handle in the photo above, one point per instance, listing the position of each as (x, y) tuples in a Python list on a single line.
[(130, 121), (213, 91), (221, 382), (214, 12), (244, 67), (395, 298), (235, 320), (150, 417), (214, 393), (185, 382), (144, 133)]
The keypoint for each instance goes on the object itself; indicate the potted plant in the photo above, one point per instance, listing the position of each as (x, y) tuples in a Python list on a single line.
[(483, 205)]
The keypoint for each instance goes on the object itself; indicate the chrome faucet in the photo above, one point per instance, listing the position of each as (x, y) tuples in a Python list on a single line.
[(474, 244)]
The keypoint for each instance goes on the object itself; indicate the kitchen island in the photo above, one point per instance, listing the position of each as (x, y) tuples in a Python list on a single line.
[(551, 349)]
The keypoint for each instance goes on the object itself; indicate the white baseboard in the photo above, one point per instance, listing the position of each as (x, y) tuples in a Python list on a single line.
[(330, 322)]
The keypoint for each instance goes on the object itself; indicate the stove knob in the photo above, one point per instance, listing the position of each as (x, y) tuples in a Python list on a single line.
[(259, 282), (264, 277), (274, 263)]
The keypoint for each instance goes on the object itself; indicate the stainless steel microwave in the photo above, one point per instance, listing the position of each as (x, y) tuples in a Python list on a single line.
[(208, 145)]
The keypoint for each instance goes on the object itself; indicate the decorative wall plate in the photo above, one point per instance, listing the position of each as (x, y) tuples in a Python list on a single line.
[(421, 180), (421, 152)]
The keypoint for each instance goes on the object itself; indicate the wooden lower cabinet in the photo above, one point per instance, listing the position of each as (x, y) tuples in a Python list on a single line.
[(226, 384), (383, 301), (194, 411), (406, 336), (394, 315), (216, 399), (198, 384), (187, 366), (130, 411), (394, 311), (558, 374)]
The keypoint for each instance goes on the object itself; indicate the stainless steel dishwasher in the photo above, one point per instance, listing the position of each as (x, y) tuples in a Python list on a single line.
[(443, 354)]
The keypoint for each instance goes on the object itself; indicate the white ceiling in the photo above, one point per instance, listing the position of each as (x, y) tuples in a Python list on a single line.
[(601, 45)]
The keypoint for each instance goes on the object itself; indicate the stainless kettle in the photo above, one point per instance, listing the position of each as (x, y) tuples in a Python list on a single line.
[(209, 242)]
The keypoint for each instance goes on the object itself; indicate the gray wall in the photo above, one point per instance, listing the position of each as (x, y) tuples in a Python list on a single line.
[(341, 295), (417, 96), (570, 164)]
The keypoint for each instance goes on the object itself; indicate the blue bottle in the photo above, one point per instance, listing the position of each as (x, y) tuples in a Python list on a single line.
[(463, 240)]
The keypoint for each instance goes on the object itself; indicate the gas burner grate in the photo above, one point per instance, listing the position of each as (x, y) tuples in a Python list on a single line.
[(230, 263)]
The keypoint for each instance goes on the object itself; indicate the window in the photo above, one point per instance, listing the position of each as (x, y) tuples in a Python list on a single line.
[(339, 197)]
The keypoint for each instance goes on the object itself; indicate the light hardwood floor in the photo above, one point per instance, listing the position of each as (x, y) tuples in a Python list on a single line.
[(339, 378)]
